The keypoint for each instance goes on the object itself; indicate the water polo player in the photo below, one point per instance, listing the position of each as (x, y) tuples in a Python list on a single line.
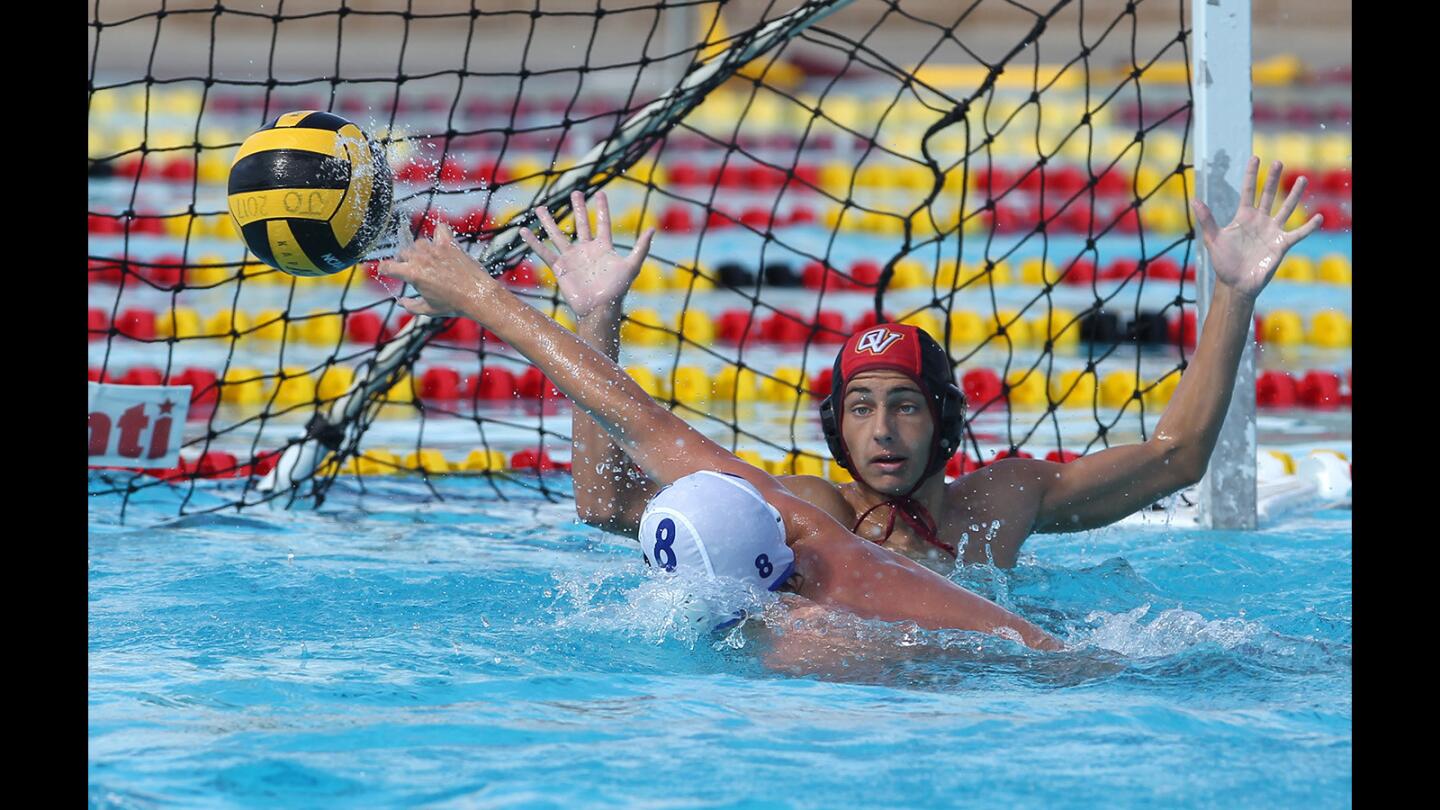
[(894, 416), (833, 566)]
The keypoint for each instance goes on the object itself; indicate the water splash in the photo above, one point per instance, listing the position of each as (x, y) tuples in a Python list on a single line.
[(1171, 632), (661, 607)]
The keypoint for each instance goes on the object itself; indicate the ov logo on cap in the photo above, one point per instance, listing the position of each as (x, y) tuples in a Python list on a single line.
[(876, 341)]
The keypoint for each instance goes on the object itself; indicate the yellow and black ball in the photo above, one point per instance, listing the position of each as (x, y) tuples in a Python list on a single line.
[(310, 193)]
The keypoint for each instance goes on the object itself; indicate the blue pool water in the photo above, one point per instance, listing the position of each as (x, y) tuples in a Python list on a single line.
[(389, 649)]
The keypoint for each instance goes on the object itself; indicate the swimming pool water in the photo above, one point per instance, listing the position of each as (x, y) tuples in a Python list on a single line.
[(390, 649)]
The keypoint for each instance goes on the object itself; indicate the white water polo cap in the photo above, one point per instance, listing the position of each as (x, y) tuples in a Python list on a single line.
[(715, 525)]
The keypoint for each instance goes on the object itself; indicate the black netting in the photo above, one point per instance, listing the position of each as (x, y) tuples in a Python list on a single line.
[(1017, 189)]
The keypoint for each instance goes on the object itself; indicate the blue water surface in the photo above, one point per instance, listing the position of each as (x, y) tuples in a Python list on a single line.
[(391, 649)]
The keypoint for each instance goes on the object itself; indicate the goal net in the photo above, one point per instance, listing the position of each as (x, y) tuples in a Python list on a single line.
[(1011, 178)]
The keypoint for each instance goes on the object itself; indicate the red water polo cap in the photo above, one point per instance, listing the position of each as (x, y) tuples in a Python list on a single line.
[(908, 350)]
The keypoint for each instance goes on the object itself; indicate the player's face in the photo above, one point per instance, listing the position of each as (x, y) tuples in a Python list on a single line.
[(887, 429)]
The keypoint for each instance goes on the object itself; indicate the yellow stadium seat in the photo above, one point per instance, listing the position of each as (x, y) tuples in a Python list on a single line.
[(1027, 389), (883, 223), (181, 323), (1017, 329), (695, 325), (1334, 269), (923, 226), (647, 380), (1059, 326), (1073, 389), (242, 386), (1333, 151), (427, 460), (1299, 269), (1038, 271), (685, 278), (1156, 395), (1118, 388), (1283, 327), (213, 167), (845, 111), (208, 272), (564, 318), (909, 274), (643, 327), (378, 462), (1329, 329), (752, 458), (947, 274), (222, 226), (323, 328), (482, 460), (874, 175), (1294, 149), (1161, 216), (335, 381), (227, 324), (402, 391), (912, 176), (785, 386), (294, 386), (270, 325), (178, 227), (731, 384), (926, 320), (1297, 218), (835, 178), (649, 279), (692, 385), (802, 464), (967, 330), (999, 274)]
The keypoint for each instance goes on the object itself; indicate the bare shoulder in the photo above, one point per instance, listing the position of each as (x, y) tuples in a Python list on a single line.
[(1001, 476), (1010, 489), (820, 492), (807, 485)]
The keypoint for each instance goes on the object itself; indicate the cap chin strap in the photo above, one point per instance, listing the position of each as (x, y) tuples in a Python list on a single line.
[(915, 515)]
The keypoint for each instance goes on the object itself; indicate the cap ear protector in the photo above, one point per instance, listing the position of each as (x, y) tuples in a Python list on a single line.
[(947, 402)]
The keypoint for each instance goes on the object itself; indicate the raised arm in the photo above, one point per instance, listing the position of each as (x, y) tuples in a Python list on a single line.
[(1104, 487), (610, 492), (452, 283)]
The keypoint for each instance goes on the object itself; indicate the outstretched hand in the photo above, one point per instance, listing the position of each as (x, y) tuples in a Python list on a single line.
[(449, 281), (588, 271), (1246, 253)]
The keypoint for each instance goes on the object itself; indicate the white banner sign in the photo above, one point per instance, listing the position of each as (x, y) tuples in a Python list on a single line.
[(137, 425)]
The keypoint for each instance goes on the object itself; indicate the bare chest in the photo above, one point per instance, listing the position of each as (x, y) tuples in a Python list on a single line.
[(977, 533)]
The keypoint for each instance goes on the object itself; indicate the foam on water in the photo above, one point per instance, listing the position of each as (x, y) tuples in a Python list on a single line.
[(1168, 633)]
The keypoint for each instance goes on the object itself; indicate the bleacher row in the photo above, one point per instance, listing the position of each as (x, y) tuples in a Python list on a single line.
[(172, 272), (1020, 389), (1009, 200), (645, 326), (432, 461), (770, 118)]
